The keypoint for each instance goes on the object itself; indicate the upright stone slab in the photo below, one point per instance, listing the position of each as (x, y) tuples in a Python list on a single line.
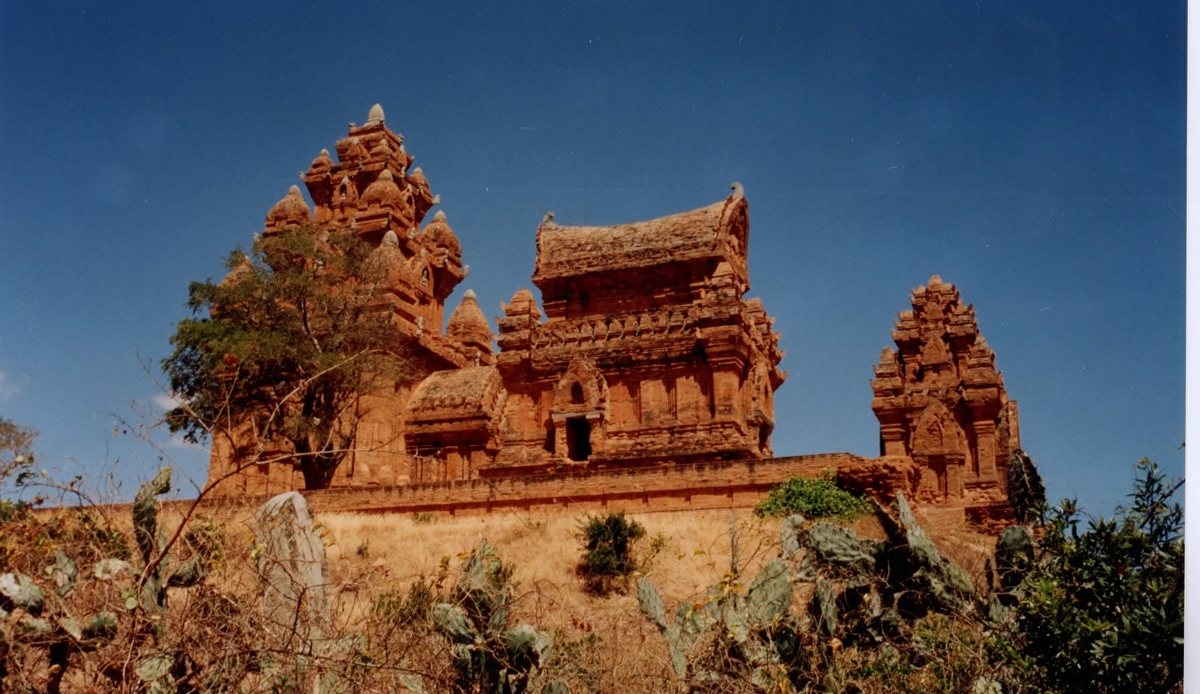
[(293, 574)]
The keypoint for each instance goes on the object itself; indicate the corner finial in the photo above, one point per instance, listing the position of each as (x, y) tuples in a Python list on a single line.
[(547, 218), (469, 294), (375, 115), (440, 216), (738, 190)]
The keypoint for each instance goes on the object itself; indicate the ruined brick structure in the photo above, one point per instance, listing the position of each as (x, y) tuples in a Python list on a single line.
[(649, 352), (941, 402), (370, 192), (681, 368), (645, 373)]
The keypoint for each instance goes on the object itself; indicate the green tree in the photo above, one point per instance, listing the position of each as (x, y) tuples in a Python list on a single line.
[(16, 462), (1103, 609), (285, 348)]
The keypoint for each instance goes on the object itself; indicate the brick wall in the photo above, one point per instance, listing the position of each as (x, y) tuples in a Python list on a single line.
[(717, 484)]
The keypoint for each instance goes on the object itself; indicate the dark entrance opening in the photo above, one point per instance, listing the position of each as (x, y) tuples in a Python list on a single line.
[(579, 439)]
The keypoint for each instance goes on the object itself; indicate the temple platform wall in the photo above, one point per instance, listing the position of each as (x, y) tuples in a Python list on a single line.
[(699, 485)]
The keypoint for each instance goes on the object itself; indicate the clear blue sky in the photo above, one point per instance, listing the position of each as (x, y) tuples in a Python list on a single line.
[(1032, 153)]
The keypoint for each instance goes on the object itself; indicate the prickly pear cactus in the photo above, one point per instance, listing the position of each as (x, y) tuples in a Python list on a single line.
[(825, 606), (769, 596), (752, 627), (840, 546), (1026, 493), (1014, 555), (488, 656), (791, 540), (51, 626), (947, 582), (152, 541), (864, 591)]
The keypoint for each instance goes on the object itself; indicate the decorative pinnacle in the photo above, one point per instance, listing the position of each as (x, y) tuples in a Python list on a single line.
[(376, 115), (738, 190), (440, 216), (469, 294)]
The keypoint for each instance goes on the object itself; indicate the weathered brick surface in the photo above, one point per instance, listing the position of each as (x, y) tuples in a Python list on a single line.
[(715, 484), (941, 402), (649, 351), (645, 379)]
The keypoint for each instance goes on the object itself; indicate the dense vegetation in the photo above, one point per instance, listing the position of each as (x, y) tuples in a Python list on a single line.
[(90, 602), (816, 498), (284, 349), (1102, 610)]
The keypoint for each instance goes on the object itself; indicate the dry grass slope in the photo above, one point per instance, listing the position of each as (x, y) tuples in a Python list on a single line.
[(614, 648)]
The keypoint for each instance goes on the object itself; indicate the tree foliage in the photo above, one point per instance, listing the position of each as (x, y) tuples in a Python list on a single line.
[(1103, 609), (16, 464), (16, 447), (284, 350)]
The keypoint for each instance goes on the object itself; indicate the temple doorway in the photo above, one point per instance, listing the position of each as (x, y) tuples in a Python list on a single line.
[(579, 439)]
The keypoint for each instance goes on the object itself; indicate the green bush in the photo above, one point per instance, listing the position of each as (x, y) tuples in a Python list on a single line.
[(813, 498), (607, 544), (1102, 610)]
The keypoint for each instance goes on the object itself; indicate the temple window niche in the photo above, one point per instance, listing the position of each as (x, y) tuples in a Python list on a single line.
[(579, 439), (578, 412)]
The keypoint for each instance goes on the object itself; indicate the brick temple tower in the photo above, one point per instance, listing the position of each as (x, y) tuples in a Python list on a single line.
[(941, 402), (371, 192), (649, 350)]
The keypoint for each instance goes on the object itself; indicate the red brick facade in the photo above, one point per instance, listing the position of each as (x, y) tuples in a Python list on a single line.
[(645, 358)]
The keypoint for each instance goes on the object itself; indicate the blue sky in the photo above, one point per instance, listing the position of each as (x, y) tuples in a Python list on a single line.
[(1031, 153)]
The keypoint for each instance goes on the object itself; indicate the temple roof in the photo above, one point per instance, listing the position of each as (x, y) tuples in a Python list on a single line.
[(439, 234), (290, 211), (468, 325), (572, 251), (456, 393)]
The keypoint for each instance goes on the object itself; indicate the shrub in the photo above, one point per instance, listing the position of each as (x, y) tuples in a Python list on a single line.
[(607, 544), (814, 498), (401, 607), (1103, 609)]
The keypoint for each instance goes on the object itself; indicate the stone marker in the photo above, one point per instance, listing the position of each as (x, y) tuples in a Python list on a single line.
[(293, 574)]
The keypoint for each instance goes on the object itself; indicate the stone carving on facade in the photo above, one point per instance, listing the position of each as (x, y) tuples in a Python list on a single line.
[(941, 402), (643, 351)]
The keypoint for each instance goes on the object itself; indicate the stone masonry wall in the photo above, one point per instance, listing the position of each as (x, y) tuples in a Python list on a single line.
[(723, 484)]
